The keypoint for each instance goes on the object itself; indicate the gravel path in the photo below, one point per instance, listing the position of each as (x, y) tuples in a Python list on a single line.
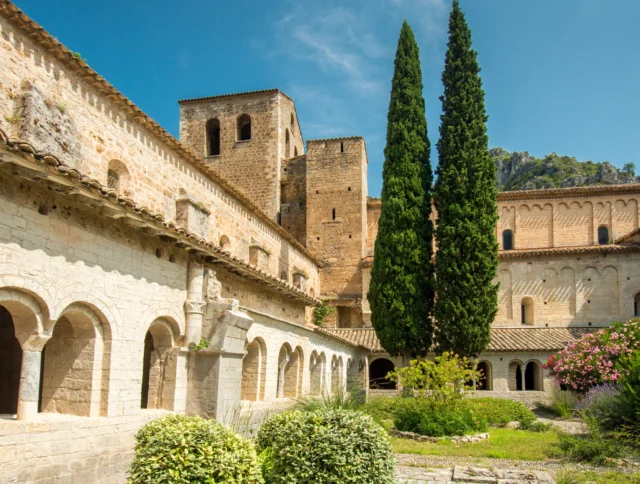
[(437, 461)]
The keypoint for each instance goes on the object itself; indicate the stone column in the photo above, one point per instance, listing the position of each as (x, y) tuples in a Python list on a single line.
[(194, 305), (281, 367), (30, 376)]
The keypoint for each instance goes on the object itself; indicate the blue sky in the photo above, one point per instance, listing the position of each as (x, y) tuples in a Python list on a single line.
[(560, 76)]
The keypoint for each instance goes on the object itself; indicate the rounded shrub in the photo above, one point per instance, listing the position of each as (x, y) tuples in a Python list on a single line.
[(180, 449), (325, 446)]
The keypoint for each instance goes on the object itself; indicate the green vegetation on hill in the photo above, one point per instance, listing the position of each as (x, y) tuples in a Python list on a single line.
[(520, 171)]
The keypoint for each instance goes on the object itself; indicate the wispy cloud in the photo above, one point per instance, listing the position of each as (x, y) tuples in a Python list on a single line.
[(431, 15), (337, 40)]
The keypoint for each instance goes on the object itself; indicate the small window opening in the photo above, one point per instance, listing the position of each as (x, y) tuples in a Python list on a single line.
[(317, 191), (341, 147), (158, 253), (334, 214), (603, 235), (287, 144), (349, 189), (526, 311), (295, 151), (213, 137), (244, 127), (507, 240), (43, 208), (113, 180), (292, 121)]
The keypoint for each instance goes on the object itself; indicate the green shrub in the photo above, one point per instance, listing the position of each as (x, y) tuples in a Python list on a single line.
[(563, 404), (325, 446), (592, 448), (498, 411), (180, 449), (535, 426), (422, 418)]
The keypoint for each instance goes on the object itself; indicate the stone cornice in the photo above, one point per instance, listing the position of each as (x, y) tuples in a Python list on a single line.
[(626, 189)]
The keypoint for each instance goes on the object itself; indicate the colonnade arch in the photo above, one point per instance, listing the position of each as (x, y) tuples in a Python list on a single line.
[(158, 366), (254, 368), (317, 364), (525, 377), (378, 370)]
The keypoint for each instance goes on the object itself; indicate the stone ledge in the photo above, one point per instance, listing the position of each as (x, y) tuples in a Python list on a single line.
[(456, 439)]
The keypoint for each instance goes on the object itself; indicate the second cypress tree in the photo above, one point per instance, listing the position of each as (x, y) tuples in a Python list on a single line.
[(401, 291), (465, 200)]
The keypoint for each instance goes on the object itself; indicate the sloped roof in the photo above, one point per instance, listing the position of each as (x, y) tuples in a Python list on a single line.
[(628, 237), (580, 249), (502, 339), (41, 165)]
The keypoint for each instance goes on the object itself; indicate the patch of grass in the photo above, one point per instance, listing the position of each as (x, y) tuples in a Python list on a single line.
[(502, 444), (589, 477), (499, 411)]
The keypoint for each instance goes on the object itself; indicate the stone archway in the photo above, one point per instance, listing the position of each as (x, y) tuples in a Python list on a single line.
[(485, 382), (10, 364), (316, 373), (75, 364), (254, 371), (378, 370), (158, 367)]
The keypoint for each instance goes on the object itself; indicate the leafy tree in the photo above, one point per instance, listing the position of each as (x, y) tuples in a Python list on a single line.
[(401, 292), (465, 200), (629, 169)]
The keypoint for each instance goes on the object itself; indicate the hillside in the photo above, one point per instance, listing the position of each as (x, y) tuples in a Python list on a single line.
[(520, 171)]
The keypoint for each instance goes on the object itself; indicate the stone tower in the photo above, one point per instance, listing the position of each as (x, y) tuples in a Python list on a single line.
[(245, 137), (336, 220)]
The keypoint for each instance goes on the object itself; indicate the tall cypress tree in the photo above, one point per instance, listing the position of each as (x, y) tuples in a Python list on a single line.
[(401, 291), (465, 200)]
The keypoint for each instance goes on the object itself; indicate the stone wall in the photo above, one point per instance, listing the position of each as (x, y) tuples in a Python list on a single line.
[(293, 197), (336, 212), (581, 289), (65, 448), (44, 101), (563, 221)]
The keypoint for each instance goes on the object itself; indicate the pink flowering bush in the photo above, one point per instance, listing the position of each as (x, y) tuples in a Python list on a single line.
[(591, 360)]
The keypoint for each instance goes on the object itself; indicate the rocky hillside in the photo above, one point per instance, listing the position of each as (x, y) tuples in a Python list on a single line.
[(520, 171)]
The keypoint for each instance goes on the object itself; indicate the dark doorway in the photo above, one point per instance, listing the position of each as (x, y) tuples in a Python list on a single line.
[(378, 371), (10, 364)]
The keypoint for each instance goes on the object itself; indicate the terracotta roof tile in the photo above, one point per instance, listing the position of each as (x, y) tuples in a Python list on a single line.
[(502, 339), (42, 164), (581, 249)]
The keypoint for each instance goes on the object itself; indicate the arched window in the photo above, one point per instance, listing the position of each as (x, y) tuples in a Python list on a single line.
[(485, 382), (244, 127), (533, 376), (213, 137), (507, 240), (225, 243), (636, 305), (287, 144), (295, 151), (316, 369), (378, 370), (526, 308), (113, 180), (293, 121), (603, 235), (118, 178)]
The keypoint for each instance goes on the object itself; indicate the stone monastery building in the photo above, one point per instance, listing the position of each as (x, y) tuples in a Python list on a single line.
[(123, 251)]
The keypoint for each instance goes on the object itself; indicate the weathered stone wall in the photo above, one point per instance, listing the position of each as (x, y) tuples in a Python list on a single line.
[(65, 448), (567, 221), (49, 104), (577, 290), (336, 212), (293, 197)]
